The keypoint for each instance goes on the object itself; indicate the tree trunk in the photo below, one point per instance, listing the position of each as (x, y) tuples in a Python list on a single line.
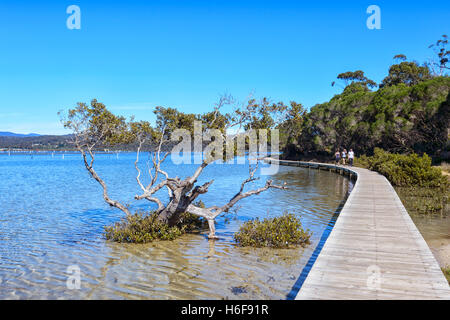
[(171, 213)]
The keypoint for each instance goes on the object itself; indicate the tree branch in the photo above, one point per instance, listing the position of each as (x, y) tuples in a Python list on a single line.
[(198, 190), (90, 168), (241, 195)]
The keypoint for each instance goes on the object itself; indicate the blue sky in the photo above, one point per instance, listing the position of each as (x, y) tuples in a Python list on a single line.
[(135, 55)]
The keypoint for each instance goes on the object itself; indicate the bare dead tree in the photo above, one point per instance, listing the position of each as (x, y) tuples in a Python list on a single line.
[(95, 124)]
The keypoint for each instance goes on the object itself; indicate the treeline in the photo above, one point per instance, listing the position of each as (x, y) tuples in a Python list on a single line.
[(65, 142), (398, 118), (50, 142), (410, 112)]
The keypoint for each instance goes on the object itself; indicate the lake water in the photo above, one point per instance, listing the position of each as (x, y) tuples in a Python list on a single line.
[(52, 217)]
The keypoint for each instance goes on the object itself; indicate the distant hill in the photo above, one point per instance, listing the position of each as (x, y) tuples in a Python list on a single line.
[(63, 142), (31, 141), (12, 134)]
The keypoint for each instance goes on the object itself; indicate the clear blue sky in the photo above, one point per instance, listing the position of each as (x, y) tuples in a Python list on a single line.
[(135, 55)]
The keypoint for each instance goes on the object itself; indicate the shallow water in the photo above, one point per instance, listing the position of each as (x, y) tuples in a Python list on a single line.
[(434, 227), (52, 217)]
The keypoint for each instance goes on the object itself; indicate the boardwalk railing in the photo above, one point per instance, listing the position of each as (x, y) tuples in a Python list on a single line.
[(374, 250)]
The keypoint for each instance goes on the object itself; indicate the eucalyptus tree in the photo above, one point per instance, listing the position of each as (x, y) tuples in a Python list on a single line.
[(407, 72), (94, 126), (355, 77)]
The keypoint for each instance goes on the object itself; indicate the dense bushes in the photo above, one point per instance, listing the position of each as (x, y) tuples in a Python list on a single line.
[(144, 227), (404, 170), (278, 232), (397, 118), (422, 188)]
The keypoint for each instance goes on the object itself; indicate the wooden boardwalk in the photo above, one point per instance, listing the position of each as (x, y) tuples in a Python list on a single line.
[(374, 250)]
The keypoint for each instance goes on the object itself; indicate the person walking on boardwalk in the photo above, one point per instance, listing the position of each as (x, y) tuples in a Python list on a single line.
[(351, 156), (344, 155), (337, 156)]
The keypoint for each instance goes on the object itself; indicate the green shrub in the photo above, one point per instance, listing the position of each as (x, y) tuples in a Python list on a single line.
[(143, 227), (279, 232), (421, 187), (405, 170)]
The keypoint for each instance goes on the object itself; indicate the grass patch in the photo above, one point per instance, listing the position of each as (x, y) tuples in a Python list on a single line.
[(278, 232)]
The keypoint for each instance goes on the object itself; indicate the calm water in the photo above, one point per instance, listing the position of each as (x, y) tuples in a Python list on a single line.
[(52, 217)]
